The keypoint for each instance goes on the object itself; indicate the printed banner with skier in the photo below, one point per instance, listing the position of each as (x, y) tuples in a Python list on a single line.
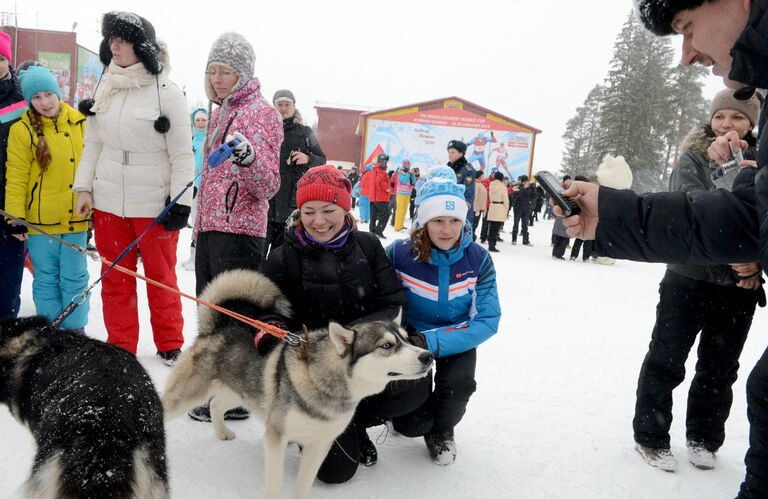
[(421, 137)]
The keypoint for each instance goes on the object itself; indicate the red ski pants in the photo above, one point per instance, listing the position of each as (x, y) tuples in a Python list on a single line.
[(118, 290)]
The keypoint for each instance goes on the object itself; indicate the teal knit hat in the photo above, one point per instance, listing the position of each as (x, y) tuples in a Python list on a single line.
[(37, 79)]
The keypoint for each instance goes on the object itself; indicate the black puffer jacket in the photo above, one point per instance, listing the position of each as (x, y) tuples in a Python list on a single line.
[(296, 137), (524, 200), (348, 285), (10, 93), (700, 227), (693, 172)]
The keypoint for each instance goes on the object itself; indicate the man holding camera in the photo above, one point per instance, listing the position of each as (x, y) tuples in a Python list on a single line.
[(299, 152), (700, 227)]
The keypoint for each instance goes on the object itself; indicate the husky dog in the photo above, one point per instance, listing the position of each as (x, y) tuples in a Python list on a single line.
[(305, 398), (95, 415)]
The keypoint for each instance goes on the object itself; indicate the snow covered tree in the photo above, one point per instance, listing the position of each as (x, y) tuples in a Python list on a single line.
[(687, 106), (635, 117), (579, 157), (642, 112)]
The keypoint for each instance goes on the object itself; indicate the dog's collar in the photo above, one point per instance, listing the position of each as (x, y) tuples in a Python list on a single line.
[(272, 320)]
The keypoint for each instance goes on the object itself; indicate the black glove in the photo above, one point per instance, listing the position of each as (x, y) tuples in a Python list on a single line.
[(418, 340), (176, 218), (16, 228)]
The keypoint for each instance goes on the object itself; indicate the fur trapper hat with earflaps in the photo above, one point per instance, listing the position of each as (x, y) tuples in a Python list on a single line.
[(136, 30), (149, 50)]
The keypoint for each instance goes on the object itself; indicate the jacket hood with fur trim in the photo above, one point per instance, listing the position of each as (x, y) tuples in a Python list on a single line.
[(698, 141)]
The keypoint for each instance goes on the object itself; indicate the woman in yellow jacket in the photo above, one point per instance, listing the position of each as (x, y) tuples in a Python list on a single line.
[(44, 148)]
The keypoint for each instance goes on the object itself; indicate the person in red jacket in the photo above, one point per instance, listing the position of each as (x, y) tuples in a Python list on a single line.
[(376, 185)]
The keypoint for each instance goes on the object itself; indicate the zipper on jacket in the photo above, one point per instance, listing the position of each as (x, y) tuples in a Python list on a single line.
[(40, 200), (72, 178), (229, 207), (229, 124), (32, 196), (122, 170)]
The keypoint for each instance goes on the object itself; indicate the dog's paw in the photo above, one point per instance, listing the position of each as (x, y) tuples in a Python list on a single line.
[(225, 434)]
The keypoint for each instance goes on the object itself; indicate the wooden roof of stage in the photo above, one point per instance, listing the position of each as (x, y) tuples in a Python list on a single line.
[(447, 103)]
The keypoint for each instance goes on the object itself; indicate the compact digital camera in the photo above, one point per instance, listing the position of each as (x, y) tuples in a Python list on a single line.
[(222, 152), (725, 174)]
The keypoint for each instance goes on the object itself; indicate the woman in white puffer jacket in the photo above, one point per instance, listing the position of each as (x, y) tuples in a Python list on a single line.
[(138, 155)]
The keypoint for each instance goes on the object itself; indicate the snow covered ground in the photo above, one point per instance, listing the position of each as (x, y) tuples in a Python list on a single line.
[(551, 417)]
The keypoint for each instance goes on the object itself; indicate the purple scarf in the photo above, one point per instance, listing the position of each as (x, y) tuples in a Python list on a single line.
[(337, 242)]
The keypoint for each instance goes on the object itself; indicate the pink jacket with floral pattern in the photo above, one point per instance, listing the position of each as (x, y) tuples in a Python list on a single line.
[(232, 198)]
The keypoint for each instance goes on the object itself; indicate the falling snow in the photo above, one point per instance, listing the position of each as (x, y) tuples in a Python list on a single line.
[(551, 417)]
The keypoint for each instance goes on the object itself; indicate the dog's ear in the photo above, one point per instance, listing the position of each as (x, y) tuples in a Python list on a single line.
[(340, 337), (399, 319)]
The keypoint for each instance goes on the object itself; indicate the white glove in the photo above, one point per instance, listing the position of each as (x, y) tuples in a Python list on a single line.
[(243, 154)]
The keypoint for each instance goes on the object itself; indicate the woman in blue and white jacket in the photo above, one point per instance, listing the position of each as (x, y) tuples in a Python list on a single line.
[(453, 306)]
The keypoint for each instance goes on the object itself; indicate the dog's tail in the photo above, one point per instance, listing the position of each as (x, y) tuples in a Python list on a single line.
[(246, 287), (150, 479), (92, 469), (189, 384)]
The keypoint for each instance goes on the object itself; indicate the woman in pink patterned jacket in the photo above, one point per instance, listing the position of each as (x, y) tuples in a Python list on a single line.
[(233, 200)]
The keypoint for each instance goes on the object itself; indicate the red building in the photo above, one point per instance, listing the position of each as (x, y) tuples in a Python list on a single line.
[(76, 68)]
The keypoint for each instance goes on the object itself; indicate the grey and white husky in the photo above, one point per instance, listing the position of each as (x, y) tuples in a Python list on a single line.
[(305, 398)]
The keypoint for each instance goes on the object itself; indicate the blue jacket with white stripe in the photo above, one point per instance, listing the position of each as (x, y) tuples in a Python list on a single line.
[(452, 298)]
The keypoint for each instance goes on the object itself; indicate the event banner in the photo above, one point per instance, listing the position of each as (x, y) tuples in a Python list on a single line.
[(59, 64), (421, 137), (89, 69)]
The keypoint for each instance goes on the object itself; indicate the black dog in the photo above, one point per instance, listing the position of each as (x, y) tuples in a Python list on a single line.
[(92, 409)]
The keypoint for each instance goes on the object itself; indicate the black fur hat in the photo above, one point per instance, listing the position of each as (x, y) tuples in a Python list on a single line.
[(135, 29), (458, 145), (657, 15)]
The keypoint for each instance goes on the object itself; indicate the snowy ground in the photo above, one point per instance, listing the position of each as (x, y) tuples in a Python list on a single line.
[(551, 417)]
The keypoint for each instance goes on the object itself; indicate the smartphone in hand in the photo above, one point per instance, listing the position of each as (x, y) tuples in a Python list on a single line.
[(555, 191)]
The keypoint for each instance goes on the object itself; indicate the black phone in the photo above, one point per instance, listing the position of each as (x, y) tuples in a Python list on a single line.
[(555, 191)]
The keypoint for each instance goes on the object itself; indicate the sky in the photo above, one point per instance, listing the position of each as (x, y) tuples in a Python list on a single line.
[(532, 61)]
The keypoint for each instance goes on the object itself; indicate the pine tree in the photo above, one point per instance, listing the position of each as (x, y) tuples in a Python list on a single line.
[(642, 112), (579, 157), (635, 113), (687, 106)]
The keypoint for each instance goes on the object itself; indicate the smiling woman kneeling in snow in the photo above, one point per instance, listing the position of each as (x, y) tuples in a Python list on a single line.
[(331, 271), (453, 306)]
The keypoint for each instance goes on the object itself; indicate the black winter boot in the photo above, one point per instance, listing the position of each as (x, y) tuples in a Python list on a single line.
[(441, 446), (368, 454)]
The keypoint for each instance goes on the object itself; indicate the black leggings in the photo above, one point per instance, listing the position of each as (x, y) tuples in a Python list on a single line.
[(398, 398), (220, 251), (446, 405)]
